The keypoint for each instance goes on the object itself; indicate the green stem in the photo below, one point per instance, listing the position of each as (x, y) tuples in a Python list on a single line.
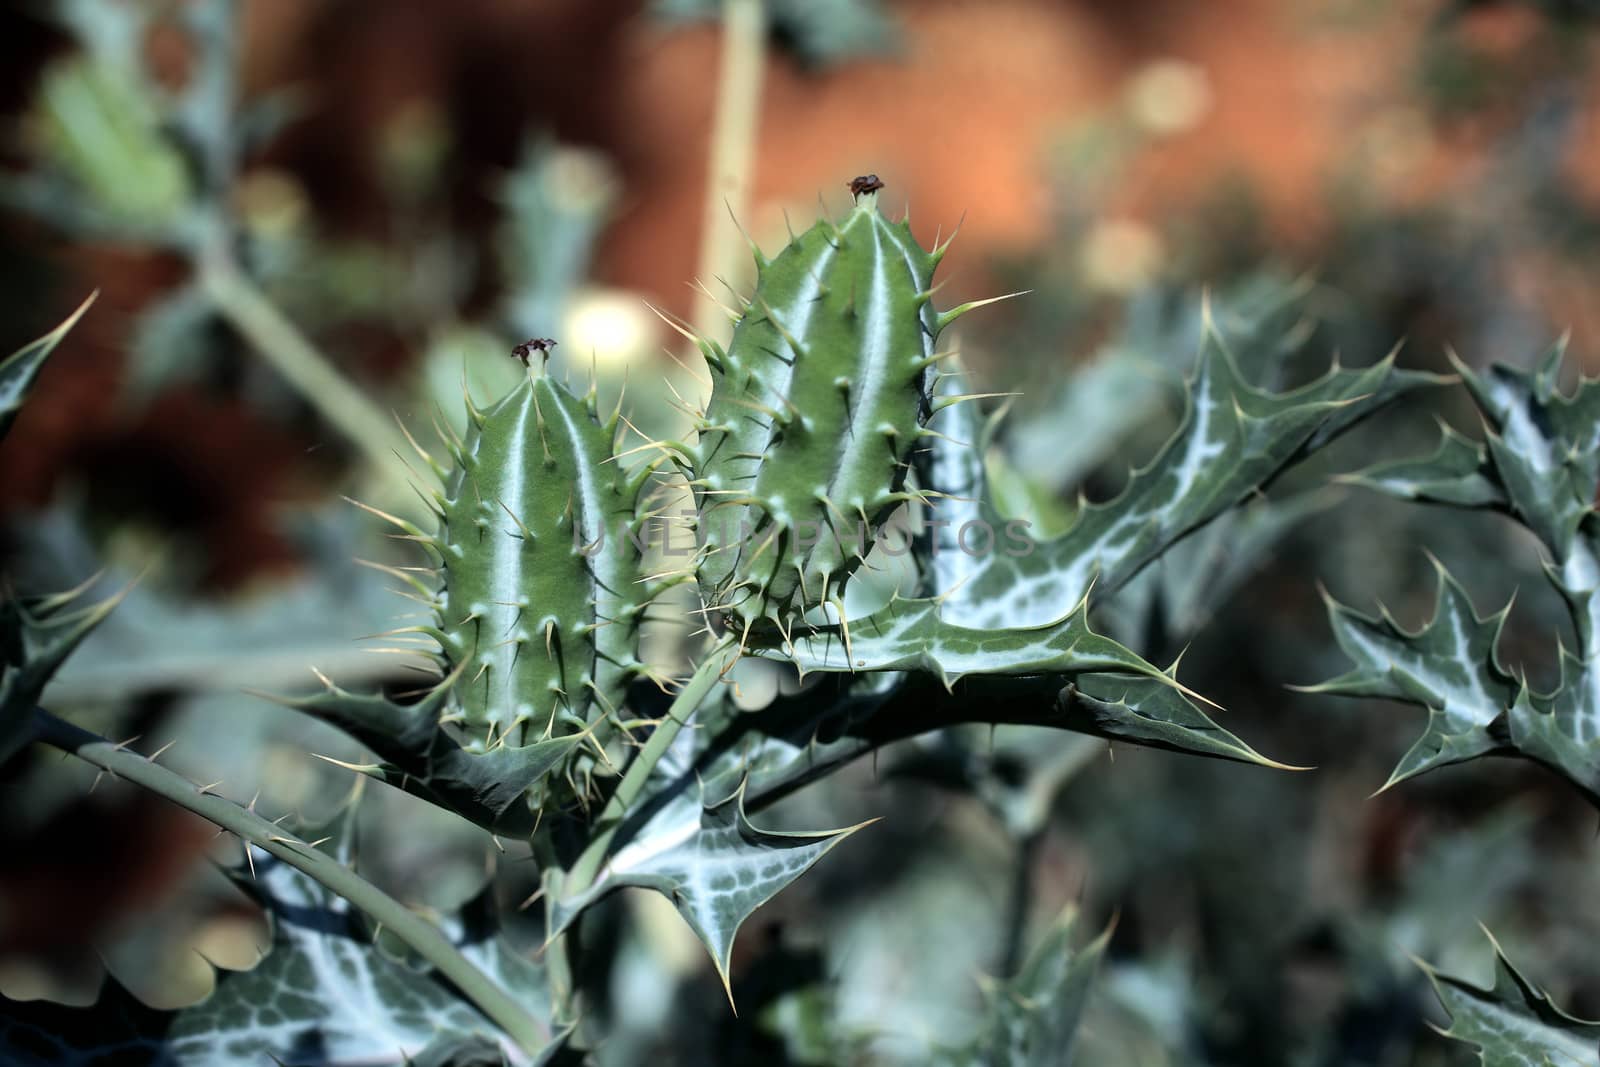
[(420, 934), (687, 702), (242, 303)]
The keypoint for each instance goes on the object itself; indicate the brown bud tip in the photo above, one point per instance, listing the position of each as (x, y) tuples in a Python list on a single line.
[(866, 183), (526, 349)]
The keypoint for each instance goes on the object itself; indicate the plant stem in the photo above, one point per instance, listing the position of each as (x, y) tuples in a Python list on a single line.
[(420, 934), (242, 303), (1019, 897), (687, 702), (732, 156)]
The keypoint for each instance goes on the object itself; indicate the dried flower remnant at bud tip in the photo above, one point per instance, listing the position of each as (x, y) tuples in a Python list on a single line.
[(866, 183), (526, 349)]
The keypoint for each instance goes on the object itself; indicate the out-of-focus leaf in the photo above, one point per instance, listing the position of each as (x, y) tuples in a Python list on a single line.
[(1032, 1019), (556, 201), (100, 129), (817, 31), (270, 640), (36, 637), (112, 33), (470, 359), (324, 995), (1173, 598), (18, 370), (1130, 380), (170, 343), (1514, 1024), (1454, 474)]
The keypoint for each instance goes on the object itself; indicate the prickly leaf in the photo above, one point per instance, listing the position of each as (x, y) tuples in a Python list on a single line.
[(1062, 674), (1449, 666), (1545, 446), (1540, 463), (483, 787), (1456, 473), (913, 635), (18, 370), (1233, 440), (714, 865), (1514, 1024), (1108, 397)]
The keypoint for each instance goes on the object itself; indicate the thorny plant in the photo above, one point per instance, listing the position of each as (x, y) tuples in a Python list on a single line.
[(837, 409)]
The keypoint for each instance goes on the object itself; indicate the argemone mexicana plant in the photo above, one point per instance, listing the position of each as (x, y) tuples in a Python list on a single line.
[(834, 406)]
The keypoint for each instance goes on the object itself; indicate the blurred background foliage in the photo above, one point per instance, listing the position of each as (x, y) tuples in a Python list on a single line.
[(417, 187)]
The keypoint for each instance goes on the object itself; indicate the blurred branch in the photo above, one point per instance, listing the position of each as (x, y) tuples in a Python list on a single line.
[(731, 165), (245, 307)]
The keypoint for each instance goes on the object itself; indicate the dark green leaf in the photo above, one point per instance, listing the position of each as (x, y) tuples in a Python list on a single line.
[(18, 370), (37, 634), (487, 788)]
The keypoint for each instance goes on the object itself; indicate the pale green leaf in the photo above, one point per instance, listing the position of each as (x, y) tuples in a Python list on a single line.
[(101, 130)]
